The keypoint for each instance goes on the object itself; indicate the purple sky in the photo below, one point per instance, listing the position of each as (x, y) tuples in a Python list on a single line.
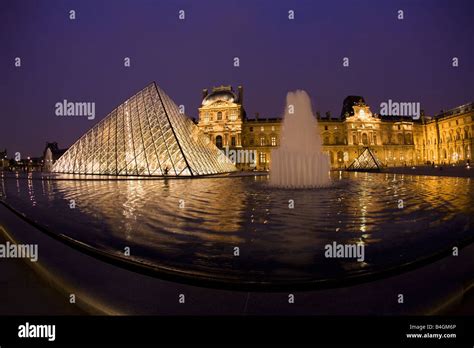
[(82, 59)]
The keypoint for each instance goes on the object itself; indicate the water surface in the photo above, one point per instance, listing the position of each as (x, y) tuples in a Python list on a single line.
[(193, 225)]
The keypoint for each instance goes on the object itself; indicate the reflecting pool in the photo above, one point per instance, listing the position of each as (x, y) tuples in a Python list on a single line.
[(192, 226)]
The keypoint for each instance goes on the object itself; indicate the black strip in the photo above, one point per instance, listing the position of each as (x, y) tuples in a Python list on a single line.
[(225, 330)]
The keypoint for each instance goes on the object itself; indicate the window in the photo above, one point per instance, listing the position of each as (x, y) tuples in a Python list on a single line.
[(251, 129), (251, 141), (325, 127), (354, 139), (262, 129), (219, 116), (274, 141), (365, 140), (233, 115), (219, 141), (273, 128), (400, 138), (262, 141), (263, 158), (232, 141)]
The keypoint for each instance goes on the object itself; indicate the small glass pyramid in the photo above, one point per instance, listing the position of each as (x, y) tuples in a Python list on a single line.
[(366, 162), (146, 135)]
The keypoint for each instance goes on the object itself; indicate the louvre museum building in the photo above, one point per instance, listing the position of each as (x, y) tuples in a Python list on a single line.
[(394, 140), (148, 135)]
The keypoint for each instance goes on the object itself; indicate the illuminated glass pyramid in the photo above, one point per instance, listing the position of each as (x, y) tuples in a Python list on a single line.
[(366, 161), (146, 135)]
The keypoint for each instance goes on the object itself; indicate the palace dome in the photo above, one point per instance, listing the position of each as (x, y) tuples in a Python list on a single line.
[(221, 95)]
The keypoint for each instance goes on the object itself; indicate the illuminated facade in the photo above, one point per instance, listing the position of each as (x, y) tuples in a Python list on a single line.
[(221, 116), (448, 137), (146, 135), (395, 141)]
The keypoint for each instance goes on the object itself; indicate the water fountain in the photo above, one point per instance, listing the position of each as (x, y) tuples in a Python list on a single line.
[(299, 161)]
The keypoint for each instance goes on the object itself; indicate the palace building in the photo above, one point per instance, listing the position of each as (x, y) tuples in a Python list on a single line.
[(446, 138)]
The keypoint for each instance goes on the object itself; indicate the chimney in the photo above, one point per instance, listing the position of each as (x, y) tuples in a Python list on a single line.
[(241, 94), (204, 93)]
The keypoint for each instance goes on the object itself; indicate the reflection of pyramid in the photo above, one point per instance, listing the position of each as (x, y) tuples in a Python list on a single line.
[(366, 161), (145, 135)]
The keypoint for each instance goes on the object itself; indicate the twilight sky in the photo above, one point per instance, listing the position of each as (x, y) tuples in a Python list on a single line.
[(83, 59)]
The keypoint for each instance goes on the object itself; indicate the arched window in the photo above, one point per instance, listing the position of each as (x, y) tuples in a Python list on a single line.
[(354, 139), (408, 138), (365, 140), (400, 138), (219, 141)]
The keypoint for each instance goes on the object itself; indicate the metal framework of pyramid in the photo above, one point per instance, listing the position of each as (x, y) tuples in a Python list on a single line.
[(146, 135), (367, 161)]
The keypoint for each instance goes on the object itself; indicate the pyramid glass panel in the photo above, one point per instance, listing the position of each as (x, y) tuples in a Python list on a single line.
[(146, 135), (366, 161)]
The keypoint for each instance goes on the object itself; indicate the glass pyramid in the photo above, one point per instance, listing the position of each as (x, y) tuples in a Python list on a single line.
[(366, 161), (146, 135)]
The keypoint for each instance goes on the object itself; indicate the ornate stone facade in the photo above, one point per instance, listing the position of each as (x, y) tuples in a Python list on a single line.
[(396, 141), (448, 137)]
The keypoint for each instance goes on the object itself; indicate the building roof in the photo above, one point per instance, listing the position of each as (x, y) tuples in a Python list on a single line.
[(223, 93), (456, 111), (348, 103)]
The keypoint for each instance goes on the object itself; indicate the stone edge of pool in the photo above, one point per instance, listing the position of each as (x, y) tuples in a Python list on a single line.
[(103, 177), (105, 288)]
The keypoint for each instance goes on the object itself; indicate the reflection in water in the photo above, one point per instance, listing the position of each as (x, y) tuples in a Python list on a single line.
[(193, 225)]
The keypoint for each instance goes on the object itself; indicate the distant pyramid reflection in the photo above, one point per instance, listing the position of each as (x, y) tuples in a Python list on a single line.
[(145, 135)]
